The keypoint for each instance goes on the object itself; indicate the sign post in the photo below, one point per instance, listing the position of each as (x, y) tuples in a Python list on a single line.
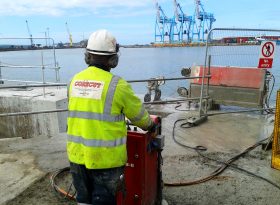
[(267, 54)]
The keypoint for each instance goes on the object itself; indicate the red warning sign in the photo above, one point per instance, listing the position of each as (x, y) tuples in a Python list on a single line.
[(266, 54), (265, 63), (268, 49)]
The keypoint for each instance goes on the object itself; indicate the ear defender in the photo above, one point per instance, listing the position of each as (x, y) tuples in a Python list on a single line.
[(113, 61), (87, 58)]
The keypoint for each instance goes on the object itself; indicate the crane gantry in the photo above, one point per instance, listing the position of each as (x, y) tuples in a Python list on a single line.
[(69, 34), (191, 28), (204, 22), (185, 22), (164, 27)]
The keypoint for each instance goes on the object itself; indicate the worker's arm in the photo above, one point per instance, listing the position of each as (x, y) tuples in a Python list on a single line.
[(132, 106)]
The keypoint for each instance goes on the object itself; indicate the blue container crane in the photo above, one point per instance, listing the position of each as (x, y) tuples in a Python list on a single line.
[(164, 26), (202, 24), (185, 23)]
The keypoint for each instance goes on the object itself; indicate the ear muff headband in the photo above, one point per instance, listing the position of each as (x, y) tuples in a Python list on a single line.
[(117, 47)]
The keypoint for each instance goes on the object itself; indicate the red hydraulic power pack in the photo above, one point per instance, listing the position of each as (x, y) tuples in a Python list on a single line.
[(143, 177)]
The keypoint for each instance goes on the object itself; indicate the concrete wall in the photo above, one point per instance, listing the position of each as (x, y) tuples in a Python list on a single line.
[(28, 126)]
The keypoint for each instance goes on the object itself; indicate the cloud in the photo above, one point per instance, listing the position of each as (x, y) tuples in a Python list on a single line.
[(63, 7)]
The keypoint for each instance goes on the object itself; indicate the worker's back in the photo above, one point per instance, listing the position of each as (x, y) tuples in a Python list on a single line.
[(96, 135), (97, 132)]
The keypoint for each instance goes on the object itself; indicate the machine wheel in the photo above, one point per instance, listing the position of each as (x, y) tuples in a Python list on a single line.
[(183, 92), (147, 97)]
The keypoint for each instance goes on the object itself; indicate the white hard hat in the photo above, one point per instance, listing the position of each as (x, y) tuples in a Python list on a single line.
[(102, 42)]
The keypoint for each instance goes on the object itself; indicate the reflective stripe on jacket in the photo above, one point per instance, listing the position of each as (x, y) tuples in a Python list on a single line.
[(98, 104)]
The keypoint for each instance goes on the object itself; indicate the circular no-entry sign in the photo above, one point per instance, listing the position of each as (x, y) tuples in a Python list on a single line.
[(268, 49)]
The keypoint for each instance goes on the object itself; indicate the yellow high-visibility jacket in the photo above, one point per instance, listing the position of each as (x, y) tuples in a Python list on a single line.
[(98, 104)]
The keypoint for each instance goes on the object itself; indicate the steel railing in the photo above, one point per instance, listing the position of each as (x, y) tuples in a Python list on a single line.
[(129, 81), (42, 66)]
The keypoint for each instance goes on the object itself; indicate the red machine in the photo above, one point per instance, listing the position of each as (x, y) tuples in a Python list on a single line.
[(143, 178)]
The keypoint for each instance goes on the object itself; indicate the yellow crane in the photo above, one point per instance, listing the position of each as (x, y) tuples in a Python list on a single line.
[(70, 35), (29, 32)]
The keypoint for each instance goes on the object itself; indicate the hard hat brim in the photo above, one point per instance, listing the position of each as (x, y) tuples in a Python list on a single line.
[(104, 53)]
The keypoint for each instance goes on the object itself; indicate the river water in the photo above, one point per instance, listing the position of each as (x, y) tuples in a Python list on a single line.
[(135, 63)]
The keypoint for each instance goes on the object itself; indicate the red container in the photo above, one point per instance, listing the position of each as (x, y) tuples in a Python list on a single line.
[(142, 172), (231, 76)]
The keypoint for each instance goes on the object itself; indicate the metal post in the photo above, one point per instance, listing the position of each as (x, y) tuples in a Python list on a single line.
[(48, 40), (1, 81), (208, 79), (57, 78), (43, 74), (201, 112)]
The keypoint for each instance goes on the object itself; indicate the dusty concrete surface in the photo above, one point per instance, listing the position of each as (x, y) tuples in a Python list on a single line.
[(223, 135), (21, 173)]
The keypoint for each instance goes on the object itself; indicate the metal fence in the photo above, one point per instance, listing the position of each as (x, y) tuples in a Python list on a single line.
[(41, 56), (238, 47), (224, 47)]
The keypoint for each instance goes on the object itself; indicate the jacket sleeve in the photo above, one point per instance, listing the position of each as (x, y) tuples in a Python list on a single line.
[(132, 106)]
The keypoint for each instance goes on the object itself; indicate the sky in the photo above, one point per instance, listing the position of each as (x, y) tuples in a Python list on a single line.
[(131, 21)]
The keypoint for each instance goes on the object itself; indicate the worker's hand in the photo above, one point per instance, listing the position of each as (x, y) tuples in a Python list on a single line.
[(153, 130)]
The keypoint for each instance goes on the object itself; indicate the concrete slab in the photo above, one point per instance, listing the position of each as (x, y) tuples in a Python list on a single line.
[(25, 161), (32, 100), (17, 172)]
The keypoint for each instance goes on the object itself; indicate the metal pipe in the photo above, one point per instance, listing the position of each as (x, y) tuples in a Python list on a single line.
[(26, 81), (208, 79), (0, 72), (239, 111), (65, 110), (43, 75), (164, 79), (244, 29), (24, 66), (203, 77), (172, 101), (162, 102), (65, 84), (33, 85), (32, 113)]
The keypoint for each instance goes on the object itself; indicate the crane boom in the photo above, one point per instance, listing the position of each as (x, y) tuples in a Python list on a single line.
[(204, 23), (198, 4), (29, 33), (176, 10), (70, 35)]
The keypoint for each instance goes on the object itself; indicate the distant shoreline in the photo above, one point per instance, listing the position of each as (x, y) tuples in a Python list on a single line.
[(28, 49), (158, 45)]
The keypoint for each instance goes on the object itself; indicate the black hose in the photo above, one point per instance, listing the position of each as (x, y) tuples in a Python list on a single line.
[(218, 171)]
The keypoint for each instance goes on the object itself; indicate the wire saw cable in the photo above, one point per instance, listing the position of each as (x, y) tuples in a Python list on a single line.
[(219, 170), (239, 111)]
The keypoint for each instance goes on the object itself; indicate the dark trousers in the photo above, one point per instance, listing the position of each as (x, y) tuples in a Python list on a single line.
[(97, 186)]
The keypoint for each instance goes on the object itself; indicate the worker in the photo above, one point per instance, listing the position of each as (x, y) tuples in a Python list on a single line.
[(97, 133)]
